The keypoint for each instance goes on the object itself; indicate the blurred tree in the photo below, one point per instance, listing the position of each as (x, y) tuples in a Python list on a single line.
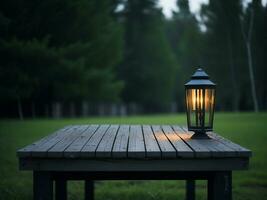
[(247, 35), (262, 71), (68, 48), (255, 20), (225, 51), (64, 50), (16, 82), (149, 67), (185, 39)]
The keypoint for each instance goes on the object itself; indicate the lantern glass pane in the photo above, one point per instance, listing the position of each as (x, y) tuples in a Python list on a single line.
[(191, 106), (195, 107), (209, 107), (200, 108)]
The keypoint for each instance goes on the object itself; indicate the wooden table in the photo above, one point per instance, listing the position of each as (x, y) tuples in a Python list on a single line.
[(131, 152)]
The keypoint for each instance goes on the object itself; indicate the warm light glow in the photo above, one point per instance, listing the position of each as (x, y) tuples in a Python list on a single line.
[(160, 136), (201, 98), (207, 100), (186, 136), (193, 93), (197, 99), (171, 136)]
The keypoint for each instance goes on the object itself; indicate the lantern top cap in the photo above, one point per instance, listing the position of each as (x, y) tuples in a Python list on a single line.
[(200, 78), (200, 74)]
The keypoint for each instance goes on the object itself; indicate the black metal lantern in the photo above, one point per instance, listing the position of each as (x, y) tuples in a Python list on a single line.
[(200, 102)]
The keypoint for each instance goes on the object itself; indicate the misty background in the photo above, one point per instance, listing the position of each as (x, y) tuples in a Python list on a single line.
[(64, 58)]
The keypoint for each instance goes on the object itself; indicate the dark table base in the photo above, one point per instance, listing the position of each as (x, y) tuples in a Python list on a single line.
[(219, 182)]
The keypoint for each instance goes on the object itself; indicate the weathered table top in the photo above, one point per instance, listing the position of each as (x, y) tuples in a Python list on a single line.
[(131, 147)]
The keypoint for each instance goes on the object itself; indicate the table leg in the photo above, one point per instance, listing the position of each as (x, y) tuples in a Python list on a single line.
[(220, 186), (89, 190), (61, 189), (42, 185), (190, 189)]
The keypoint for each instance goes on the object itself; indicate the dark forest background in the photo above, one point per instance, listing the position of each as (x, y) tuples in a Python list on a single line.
[(118, 57)]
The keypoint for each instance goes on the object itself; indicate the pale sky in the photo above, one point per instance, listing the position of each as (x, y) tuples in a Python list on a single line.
[(169, 5)]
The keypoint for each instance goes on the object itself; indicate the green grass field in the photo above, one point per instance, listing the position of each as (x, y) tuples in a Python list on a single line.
[(247, 129)]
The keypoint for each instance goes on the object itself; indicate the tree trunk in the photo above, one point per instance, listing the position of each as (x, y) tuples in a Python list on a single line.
[(235, 99), (56, 110), (113, 108), (101, 109), (33, 110), (47, 110), (173, 107), (72, 109), (19, 106), (123, 110), (247, 39), (251, 77), (85, 109)]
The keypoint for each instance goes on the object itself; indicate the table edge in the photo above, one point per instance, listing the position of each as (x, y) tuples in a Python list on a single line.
[(110, 165)]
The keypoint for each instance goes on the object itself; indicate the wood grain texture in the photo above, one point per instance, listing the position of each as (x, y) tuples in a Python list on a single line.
[(104, 148), (121, 142), (26, 151), (224, 146), (216, 148), (74, 149), (167, 150), (41, 150), (117, 165), (91, 145), (183, 150), (240, 151), (152, 147), (131, 142), (58, 149), (136, 147), (200, 149)]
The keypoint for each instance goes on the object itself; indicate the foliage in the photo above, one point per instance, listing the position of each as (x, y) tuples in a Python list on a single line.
[(59, 50), (185, 38), (226, 57), (120, 50), (259, 47), (149, 67)]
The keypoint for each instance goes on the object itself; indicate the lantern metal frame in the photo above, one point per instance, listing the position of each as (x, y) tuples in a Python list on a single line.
[(200, 82)]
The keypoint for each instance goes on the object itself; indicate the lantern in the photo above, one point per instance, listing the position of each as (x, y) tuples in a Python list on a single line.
[(200, 102)]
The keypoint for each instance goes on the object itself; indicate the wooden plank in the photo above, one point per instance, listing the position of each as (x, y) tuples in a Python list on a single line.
[(167, 150), (197, 145), (91, 145), (58, 149), (183, 150), (151, 144), (121, 142), (217, 149), (136, 147), (74, 150), (134, 165), (41, 150), (26, 151), (104, 148), (241, 151), (228, 147)]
